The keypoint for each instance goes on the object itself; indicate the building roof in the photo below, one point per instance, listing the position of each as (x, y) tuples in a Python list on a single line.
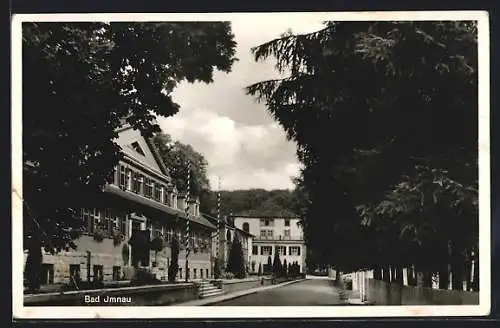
[(112, 189), (153, 161), (214, 220)]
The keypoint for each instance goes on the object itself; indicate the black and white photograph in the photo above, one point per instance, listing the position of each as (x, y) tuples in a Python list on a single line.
[(322, 164)]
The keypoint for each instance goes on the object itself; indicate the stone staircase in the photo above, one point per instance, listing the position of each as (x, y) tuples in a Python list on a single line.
[(208, 289)]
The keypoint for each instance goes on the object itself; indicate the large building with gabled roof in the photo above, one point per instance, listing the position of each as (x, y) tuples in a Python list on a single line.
[(141, 200)]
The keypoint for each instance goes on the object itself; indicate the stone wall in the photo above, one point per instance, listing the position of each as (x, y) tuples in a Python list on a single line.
[(128, 296), (383, 293), (108, 255), (230, 286)]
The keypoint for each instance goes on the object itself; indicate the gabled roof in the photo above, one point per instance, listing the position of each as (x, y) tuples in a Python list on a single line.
[(141, 149)]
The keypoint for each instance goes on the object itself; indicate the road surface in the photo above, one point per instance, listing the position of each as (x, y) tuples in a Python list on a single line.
[(310, 292)]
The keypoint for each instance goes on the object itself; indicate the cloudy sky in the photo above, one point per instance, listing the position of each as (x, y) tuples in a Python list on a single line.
[(241, 142)]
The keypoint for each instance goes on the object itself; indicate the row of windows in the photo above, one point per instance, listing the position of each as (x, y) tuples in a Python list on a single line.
[(270, 222), (144, 185), (282, 250), (269, 233), (111, 224), (107, 221)]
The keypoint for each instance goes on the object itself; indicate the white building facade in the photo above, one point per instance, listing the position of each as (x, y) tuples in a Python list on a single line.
[(273, 234)]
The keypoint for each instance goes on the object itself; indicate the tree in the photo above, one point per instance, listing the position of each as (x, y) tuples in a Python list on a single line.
[(176, 155), (173, 268), (260, 270), (250, 202), (277, 267), (285, 267), (236, 264), (269, 264), (381, 93), (92, 77)]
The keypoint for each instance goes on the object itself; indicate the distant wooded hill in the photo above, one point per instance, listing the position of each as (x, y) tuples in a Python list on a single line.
[(258, 202)]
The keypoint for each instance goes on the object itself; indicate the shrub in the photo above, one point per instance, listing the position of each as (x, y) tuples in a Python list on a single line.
[(157, 244), (117, 239), (236, 263), (173, 268), (99, 236), (125, 254), (144, 277), (229, 275), (217, 272)]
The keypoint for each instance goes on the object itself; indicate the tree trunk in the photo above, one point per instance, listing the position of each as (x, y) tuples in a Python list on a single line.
[(33, 270), (427, 278), (444, 276), (386, 274), (399, 276), (410, 273), (457, 273), (377, 273)]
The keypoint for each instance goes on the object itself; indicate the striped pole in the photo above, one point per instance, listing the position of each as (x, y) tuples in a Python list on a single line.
[(188, 185), (218, 225)]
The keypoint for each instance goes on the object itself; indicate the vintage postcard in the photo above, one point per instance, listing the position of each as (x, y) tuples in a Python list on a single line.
[(324, 164)]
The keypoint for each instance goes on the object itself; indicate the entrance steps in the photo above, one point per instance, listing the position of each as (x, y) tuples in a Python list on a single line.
[(208, 289)]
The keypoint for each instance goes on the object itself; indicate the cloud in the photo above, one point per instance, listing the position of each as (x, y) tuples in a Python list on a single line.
[(254, 156), (240, 140)]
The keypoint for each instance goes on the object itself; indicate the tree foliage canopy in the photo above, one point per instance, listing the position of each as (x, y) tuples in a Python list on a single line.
[(384, 115), (250, 202), (176, 155), (90, 77)]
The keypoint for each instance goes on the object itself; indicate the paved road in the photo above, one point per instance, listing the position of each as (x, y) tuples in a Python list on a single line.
[(315, 292)]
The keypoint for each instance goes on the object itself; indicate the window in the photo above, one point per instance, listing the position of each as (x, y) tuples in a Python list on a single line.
[(266, 223), (137, 148), (294, 250), (136, 182), (96, 222), (98, 273), (180, 273), (246, 227), (86, 217), (263, 233), (123, 223), (287, 234), (123, 177), (266, 250), (157, 230), (255, 250), (117, 272), (287, 222), (157, 194), (47, 274), (194, 273), (206, 273), (281, 250), (74, 274), (148, 187)]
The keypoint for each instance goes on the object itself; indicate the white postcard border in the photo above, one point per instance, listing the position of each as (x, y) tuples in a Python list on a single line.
[(132, 312)]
